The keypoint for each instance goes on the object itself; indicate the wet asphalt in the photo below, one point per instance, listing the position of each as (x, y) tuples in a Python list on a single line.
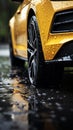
[(25, 107)]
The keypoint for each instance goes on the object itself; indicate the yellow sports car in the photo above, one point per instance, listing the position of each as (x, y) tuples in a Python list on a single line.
[(42, 35)]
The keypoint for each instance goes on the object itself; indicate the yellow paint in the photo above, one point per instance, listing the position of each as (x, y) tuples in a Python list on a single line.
[(44, 11)]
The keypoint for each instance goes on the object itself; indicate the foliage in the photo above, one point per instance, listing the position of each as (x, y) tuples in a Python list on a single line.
[(7, 9)]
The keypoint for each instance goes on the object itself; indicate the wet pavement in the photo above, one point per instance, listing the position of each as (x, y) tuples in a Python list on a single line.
[(25, 107)]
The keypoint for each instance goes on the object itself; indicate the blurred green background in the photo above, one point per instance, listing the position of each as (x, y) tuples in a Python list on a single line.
[(7, 10)]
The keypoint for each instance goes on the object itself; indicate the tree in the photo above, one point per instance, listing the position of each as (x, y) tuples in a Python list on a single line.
[(7, 9)]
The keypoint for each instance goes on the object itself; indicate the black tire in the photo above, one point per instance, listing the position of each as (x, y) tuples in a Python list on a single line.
[(39, 73), (15, 62), (35, 55)]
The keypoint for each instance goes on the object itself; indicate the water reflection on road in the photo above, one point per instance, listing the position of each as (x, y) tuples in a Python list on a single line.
[(24, 107)]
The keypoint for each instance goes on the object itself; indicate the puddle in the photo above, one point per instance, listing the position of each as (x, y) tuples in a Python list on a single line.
[(24, 107)]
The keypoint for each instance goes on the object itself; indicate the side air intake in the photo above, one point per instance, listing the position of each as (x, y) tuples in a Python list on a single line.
[(63, 22)]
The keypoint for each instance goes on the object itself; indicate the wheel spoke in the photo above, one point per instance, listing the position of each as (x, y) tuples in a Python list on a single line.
[(30, 45), (31, 32), (31, 55), (34, 68), (31, 73)]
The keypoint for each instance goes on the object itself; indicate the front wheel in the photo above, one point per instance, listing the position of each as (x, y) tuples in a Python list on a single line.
[(39, 73), (35, 56)]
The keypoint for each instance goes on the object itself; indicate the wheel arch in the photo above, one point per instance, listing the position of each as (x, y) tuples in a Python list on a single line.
[(42, 15)]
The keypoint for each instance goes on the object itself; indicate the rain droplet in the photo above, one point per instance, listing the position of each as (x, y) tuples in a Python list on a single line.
[(43, 94), (3, 100), (49, 99), (39, 94), (52, 98), (43, 102), (57, 104)]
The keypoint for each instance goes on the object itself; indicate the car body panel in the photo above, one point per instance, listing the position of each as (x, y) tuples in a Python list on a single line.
[(44, 11)]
